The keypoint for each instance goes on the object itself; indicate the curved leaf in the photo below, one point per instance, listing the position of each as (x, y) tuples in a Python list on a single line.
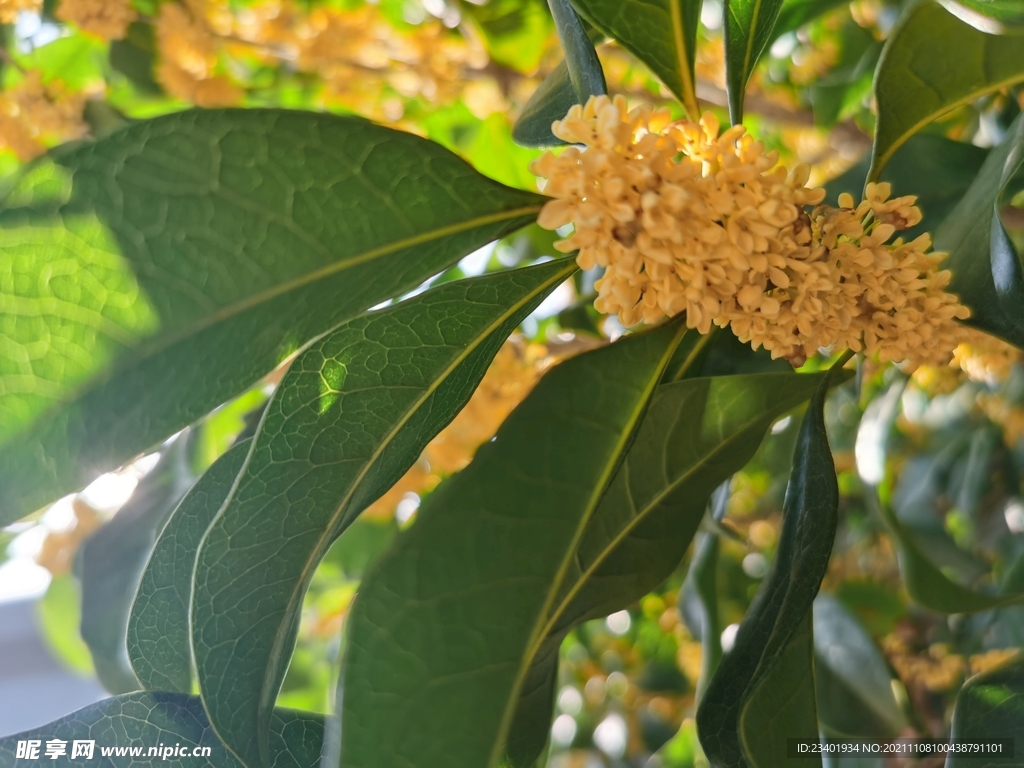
[(446, 626), (763, 691), (986, 268), (918, 81), (111, 561), (852, 679), (581, 60), (352, 414), (990, 706), (144, 720), (553, 98), (661, 33), (150, 276), (749, 30), (795, 13), (158, 638), (696, 434), (995, 16)]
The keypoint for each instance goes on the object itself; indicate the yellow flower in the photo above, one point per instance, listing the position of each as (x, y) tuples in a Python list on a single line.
[(31, 113), (108, 19), (985, 358), (9, 9), (684, 219), (188, 58)]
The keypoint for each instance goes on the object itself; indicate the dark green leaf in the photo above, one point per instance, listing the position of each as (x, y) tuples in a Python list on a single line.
[(445, 628), (581, 60), (144, 720), (134, 55), (986, 268), (661, 33), (917, 80), (939, 171), (550, 102), (352, 414), (158, 639), (696, 434), (990, 706), (111, 562), (852, 679), (151, 276), (741, 718), (749, 29), (782, 704)]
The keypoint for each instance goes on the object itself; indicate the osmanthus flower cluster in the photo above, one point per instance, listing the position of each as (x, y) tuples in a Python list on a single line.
[(684, 217)]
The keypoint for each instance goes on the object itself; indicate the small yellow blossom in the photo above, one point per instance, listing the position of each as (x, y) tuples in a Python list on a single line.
[(985, 358), (108, 19), (188, 58), (59, 547), (32, 112), (684, 218), (9, 9), (1007, 415)]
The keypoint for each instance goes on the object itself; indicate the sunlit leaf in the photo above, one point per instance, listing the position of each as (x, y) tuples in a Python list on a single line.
[(917, 80), (447, 625), (150, 276), (352, 414), (749, 29), (990, 706)]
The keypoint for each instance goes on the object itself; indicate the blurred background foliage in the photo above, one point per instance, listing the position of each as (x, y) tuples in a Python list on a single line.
[(459, 72)]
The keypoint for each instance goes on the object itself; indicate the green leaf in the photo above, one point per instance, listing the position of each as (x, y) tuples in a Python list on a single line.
[(695, 435), (990, 706), (782, 705), (986, 268), (150, 276), (742, 717), (157, 636), (553, 98), (581, 60), (60, 614), (937, 170), (445, 628), (661, 33), (145, 720), (349, 418), (795, 13), (852, 679), (134, 56), (573, 81), (749, 28), (111, 562), (995, 16), (918, 81), (925, 583)]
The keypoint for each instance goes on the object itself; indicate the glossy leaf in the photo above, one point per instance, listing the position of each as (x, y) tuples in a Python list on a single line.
[(581, 60), (695, 435), (937, 170), (917, 81), (740, 717), (553, 98), (783, 704), (852, 678), (349, 418), (170, 265), (445, 628), (111, 562), (144, 720), (990, 706), (158, 637), (986, 268), (995, 16), (661, 33), (749, 29)]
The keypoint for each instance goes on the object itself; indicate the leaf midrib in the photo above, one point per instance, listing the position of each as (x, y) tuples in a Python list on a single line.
[(146, 351), (540, 630), (682, 53), (311, 562)]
